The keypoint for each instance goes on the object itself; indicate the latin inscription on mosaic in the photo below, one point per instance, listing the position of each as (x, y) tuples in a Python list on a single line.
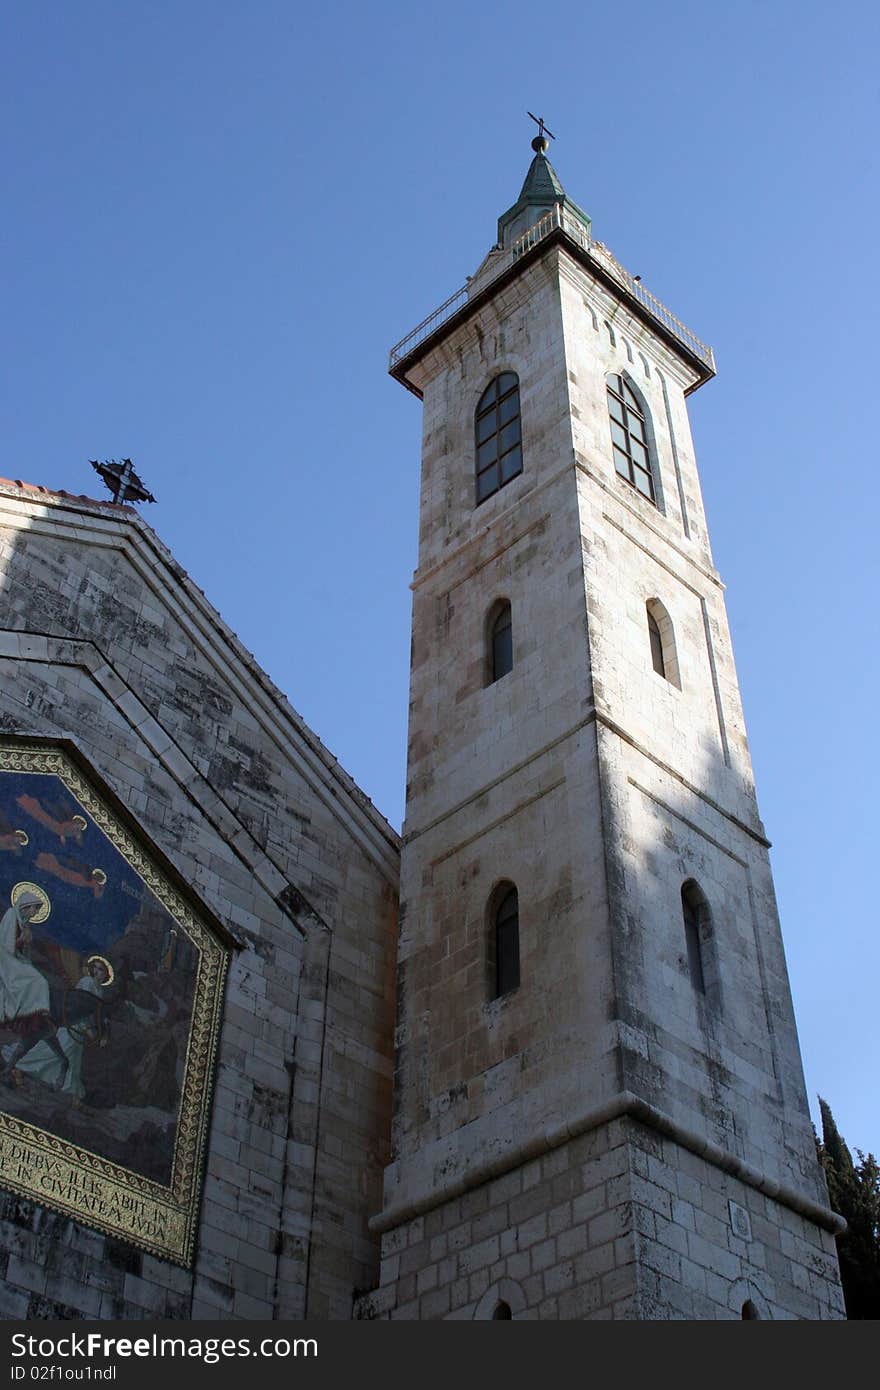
[(110, 993)]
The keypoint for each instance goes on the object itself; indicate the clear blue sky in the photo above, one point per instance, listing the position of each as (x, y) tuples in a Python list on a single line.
[(220, 215)]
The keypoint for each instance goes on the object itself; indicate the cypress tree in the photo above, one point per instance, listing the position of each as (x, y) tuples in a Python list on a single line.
[(854, 1192)]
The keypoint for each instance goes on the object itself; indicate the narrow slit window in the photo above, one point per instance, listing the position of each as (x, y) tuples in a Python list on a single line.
[(505, 941), (661, 638), (692, 908), (656, 645), (500, 644)]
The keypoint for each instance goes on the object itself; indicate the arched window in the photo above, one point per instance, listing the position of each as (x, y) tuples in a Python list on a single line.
[(697, 923), (629, 437), (503, 940), (746, 1301), (498, 437), (661, 636), (499, 643), (504, 1300), (656, 645)]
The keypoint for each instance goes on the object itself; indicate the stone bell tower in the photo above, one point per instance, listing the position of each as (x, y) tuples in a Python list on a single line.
[(599, 1102)]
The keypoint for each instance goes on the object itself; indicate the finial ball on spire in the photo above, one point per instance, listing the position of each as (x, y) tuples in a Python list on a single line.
[(541, 144)]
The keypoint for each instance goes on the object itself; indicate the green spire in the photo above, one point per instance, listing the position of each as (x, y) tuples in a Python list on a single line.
[(540, 191), (541, 182)]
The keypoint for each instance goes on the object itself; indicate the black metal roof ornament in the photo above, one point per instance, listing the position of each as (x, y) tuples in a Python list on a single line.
[(121, 479), (541, 144)]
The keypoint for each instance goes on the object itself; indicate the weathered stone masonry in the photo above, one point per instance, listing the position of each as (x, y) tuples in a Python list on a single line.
[(618, 1223)]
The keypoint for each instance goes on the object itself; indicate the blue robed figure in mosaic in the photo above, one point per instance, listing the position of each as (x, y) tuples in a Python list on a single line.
[(96, 982)]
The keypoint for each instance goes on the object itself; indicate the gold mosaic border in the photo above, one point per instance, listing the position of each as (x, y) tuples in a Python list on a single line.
[(59, 1174)]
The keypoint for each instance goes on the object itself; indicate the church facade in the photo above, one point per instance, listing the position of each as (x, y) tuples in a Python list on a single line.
[(201, 1154), (566, 1083)]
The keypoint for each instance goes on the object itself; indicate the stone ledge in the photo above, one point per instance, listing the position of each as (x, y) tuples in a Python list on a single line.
[(623, 1105)]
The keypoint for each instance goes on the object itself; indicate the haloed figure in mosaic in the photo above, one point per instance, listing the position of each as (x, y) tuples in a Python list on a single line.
[(24, 990), (109, 1001), (59, 1061), (97, 982)]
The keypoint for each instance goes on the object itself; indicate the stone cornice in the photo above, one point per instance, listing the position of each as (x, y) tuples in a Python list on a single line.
[(487, 309), (608, 305), (597, 716), (625, 1105), (455, 553), (406, 370)]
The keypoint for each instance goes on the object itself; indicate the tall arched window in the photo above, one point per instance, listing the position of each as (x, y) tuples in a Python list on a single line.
[(697, 923), (498, 436), (629, 437), (503, 940), (749, 1312), (499, 642), (656, 645), (661, 635)]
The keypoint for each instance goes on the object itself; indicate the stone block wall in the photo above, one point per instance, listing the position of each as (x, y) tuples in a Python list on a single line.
[(552, 1238), (619, 1223), (709, 1243)]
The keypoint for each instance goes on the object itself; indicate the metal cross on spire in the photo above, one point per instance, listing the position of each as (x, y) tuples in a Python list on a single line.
[(121, 479), (540, 142)]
